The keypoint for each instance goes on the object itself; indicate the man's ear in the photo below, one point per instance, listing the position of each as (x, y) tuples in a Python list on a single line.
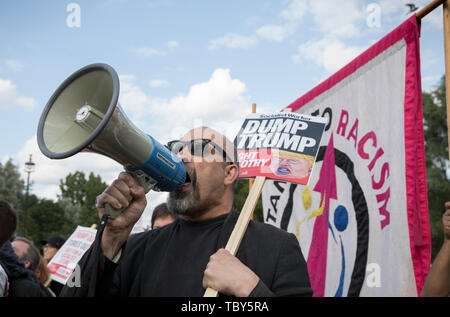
[(27, 264), (231, 173)]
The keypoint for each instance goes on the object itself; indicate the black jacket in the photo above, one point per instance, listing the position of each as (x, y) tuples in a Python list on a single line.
[(22, 281), (273, 254)]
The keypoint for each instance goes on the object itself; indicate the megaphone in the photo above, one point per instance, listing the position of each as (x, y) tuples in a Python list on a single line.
[(84, 115)]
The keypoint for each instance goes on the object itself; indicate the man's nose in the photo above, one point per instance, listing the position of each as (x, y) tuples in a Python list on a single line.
[(184, 155)]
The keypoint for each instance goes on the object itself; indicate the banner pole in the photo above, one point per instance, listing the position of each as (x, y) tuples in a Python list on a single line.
[(427, 9), (446, 14), (252, 181)]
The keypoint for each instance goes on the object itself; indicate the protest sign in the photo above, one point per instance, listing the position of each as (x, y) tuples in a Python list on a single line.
[(280, 146), (65, 260)]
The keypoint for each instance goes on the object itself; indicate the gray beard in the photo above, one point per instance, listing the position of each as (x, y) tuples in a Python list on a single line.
[(186, 206), (182, 203)]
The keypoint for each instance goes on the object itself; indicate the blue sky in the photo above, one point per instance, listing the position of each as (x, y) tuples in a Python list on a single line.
[(183, 63)]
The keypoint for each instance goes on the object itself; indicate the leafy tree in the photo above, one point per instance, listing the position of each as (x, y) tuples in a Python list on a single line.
[(71, 214), (240, 197), (46, 218), (11, 185), (12, 189), (436, 159), (82, 193)]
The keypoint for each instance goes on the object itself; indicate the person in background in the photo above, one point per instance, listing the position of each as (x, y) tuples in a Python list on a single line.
[(162, 216), (437, 283), (8, 225), (3, 282), (51, 246), (43, 275), (8, 222), (29, 254)]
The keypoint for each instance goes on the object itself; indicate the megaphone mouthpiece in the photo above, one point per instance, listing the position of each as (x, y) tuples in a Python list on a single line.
[(88, 118)]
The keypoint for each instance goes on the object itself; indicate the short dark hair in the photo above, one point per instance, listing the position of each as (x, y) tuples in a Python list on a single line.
[(161, 211), (8, 222)]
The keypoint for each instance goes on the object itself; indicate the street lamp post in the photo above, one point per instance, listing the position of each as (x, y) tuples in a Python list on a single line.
[(29, 168)]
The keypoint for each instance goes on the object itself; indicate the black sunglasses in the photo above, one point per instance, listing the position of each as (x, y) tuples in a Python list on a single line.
[(196, 147)]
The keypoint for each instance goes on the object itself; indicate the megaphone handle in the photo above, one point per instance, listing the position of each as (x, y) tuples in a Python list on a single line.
[(140, 179)]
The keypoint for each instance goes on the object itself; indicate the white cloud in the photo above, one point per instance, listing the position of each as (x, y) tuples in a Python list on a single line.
[(5, 159), (148, 52), (48, 172), (338, 17), (48, 192), (232, 40), (290, 17), (158, 83), (13, 64), (173, 44), (324, 13), (295, 11), (10, 97), (331, 54), (397, 11), (218, 96), (276, 33), (434, 19), (133, 100), (220, 102), (389, 7)]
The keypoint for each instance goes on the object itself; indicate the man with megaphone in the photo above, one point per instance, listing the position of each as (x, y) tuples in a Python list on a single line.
[(186, 256), (200, 173)]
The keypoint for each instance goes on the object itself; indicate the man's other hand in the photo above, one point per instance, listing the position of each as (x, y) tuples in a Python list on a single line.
[(229, 276)]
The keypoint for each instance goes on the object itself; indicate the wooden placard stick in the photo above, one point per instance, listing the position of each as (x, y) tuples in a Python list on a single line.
[(251, 181), (447, 64), (244, 218), (241, 225)]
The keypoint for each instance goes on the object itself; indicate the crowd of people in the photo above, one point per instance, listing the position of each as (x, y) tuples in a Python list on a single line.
[(23, 270), (183, 254)]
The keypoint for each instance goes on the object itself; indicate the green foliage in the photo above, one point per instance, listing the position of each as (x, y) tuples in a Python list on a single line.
[(436, 159), (240, 196), (12, 190), (11, 185), (80, 194), (75, 206), (71, 214), (46, 218)]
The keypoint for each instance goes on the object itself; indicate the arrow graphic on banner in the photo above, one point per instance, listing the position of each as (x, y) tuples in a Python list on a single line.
[(317, 257)]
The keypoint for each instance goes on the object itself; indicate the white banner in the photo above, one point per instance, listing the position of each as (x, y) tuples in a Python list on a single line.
[(362, 222)]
